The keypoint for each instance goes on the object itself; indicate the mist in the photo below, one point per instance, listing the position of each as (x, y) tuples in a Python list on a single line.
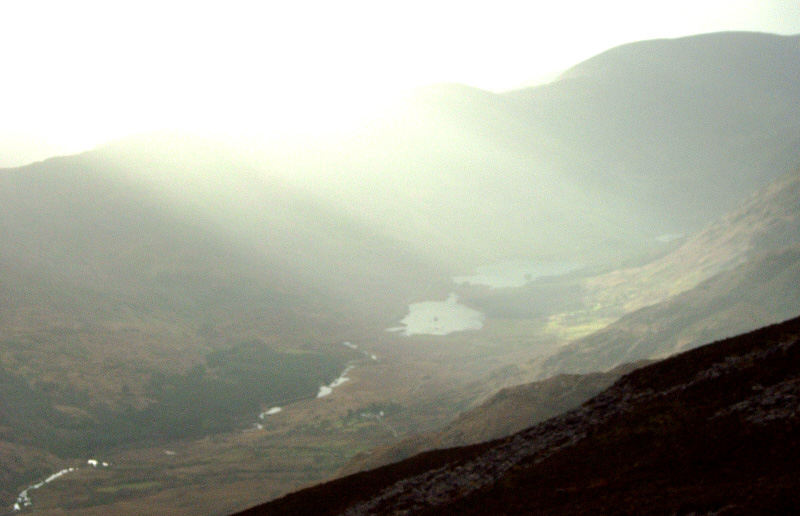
[(252, 311)]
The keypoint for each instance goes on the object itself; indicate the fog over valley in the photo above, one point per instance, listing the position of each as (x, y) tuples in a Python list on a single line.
[(466, 285)]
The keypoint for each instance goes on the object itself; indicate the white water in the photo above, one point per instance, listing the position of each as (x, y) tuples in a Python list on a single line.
[(327, 390), (324, 390), (24, 498), (270, 412), (439, 318), (363, 352)]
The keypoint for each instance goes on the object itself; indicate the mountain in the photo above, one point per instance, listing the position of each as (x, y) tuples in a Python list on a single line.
[(658, 122), (765, 221), (646, 140), (161, 291), (707, 431), (19, 148), (187, 204), (738, 273), (151, 271)]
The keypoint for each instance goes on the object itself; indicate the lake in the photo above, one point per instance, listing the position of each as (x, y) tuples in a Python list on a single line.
[(514, 273), (439, 318)]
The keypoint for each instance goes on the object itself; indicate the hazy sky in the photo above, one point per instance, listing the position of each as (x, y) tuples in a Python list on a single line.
[(76, 73)]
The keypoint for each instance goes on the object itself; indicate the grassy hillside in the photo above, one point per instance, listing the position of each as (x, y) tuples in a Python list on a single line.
[(507, 412), (164, 289), (761, 291), (708, 430)]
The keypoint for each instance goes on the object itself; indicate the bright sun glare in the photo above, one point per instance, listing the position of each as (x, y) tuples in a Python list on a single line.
[(78, 73)]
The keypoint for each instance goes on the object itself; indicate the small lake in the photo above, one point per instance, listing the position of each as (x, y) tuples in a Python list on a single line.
[(514, 273), (439, 318)]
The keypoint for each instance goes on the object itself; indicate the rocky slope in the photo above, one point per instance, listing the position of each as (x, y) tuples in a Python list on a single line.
[(707, 431), (508, 411)]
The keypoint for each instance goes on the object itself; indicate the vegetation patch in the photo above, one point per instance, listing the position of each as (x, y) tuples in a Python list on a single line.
[(215, 397)]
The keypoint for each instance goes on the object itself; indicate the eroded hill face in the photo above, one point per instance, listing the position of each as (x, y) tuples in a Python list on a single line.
[(707, 430)]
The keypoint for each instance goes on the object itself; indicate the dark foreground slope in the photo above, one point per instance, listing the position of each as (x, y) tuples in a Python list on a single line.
[(712, 430), (507, 412)]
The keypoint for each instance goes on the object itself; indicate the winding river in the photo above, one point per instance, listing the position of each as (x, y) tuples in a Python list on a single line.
[(24, 498)]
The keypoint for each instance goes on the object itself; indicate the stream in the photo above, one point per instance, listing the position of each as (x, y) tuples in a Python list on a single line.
[(24, 498), (24, 501), (324, 390)]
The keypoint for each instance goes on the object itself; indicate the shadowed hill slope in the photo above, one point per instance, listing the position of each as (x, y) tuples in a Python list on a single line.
[(150, 273), (508, 411), (705, 431), (188, 216)]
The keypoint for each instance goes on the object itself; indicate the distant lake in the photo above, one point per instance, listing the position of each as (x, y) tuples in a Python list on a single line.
[(668, 237), (514, 273), (439, 318)]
